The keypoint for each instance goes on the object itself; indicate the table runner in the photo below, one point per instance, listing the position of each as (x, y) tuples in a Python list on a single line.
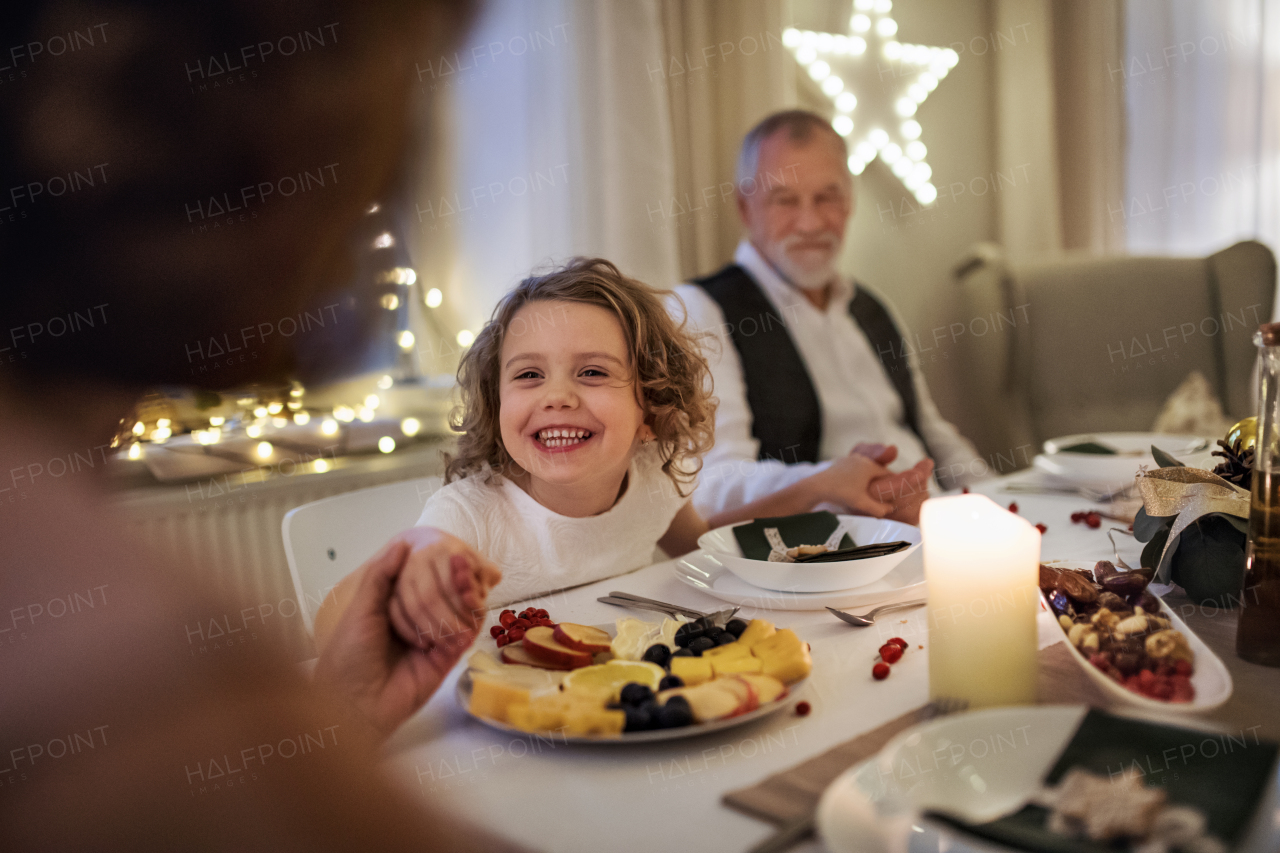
[(794, 793)]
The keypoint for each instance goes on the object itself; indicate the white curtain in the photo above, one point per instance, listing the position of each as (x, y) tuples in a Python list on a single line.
[(580, 127), (555, 138), (1202, 91)]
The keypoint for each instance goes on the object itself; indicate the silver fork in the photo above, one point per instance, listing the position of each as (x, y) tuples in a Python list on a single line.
[(626, 599), (870, 617), (795, 831)]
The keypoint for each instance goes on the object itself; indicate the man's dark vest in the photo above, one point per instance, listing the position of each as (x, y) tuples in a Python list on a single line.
[(786, 417)]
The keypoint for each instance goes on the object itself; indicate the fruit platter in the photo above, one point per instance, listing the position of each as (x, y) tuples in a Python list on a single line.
[(631, 681), (1128, 641)]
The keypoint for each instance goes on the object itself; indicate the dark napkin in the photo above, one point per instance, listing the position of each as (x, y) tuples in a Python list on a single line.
[(809, 528), (1088, 447), (1222, 775)]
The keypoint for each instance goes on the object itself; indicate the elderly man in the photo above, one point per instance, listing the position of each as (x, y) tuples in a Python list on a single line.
[(807, 364)]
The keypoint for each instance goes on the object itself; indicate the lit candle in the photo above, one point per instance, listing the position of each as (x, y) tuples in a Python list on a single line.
[(981, 563)]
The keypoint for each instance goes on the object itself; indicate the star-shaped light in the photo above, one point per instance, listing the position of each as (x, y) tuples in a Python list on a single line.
[(876, 84)]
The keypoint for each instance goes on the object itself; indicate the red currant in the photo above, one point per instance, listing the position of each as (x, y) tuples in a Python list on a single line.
[(508, 618), (1013, 507), (880, 671), (890, 653), (496, 631), (898, 641), (515, 635), (503, 640), (1093, 520), (1043, 530), (802, 709), (964, 490), (522, 623)]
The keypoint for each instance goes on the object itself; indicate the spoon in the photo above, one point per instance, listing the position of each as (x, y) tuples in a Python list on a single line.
[(870, 618)]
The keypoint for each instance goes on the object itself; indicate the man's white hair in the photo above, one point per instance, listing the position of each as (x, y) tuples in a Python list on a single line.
[(800, 126)]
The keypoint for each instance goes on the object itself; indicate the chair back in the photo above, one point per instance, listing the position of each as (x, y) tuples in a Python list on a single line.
[(325, 540), (1089, 344)]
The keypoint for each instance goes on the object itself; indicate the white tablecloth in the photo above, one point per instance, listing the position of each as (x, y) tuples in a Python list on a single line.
[(666, 796)]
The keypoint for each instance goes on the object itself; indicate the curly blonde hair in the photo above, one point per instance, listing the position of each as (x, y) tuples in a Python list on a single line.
[(669, 371)]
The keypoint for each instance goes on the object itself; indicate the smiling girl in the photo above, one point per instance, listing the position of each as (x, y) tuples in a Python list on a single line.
[(585, 411)]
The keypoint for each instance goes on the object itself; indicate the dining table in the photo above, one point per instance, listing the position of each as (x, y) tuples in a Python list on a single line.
[(538, 793)]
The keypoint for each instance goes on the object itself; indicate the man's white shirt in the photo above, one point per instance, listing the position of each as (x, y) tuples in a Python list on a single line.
[(858, 402)]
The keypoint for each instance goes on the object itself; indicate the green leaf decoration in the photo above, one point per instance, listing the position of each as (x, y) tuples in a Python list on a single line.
[(1146, 526), (1164, 460), (1089, 447), (1151, 553), (1209, 561)]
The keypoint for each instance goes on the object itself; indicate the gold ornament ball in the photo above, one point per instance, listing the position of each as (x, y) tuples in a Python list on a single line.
[(1243, 436)]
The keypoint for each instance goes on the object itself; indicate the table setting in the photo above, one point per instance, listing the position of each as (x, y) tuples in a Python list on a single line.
[(1000, 620)]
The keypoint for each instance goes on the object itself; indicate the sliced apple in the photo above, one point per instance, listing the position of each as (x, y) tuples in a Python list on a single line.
[(712, 701), (768, 689), (582, 638), (540, 641), (518, 654), (747, 700)]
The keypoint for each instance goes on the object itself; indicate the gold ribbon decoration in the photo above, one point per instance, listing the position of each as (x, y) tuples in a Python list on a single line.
[(1188, 493)]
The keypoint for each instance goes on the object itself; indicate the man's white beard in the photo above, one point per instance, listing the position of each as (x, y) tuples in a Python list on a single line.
[(806, 276)]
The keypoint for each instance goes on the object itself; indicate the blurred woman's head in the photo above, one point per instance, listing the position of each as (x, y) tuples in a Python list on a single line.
[(179, 172)]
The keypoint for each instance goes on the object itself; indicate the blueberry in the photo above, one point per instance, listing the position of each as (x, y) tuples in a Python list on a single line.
[(725, 638), (635, 694), (687, 633), (701, 644), (682, 653), (675, 713), (669, 682), (736, 627), (705, 623), (639, 718), (658, 653)]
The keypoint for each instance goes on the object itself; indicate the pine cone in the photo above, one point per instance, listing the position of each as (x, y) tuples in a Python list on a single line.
[(1236, 466)]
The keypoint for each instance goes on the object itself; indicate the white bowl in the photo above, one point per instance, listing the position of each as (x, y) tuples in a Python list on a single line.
[(1104, 471), (816, 577)]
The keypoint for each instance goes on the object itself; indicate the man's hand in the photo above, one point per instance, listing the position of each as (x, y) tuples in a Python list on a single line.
[(906, 491), (883, 454), (415, 608), (847, 483)]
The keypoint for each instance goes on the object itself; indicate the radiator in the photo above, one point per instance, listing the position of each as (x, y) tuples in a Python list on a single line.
[(225, 533)]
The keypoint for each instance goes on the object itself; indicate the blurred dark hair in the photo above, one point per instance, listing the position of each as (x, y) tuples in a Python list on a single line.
[(106, 146)]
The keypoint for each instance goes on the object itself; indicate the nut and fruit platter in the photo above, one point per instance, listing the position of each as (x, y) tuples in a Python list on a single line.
[(643, 681), (1113, 620)]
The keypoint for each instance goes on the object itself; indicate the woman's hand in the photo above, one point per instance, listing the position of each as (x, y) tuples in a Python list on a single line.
[(413, 609)]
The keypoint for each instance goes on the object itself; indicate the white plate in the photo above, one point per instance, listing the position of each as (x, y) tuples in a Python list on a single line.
[(1102, 471), (464, 700), (1211, 678), (964, 765), (463, 694), (707, 573), (815, 577)]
